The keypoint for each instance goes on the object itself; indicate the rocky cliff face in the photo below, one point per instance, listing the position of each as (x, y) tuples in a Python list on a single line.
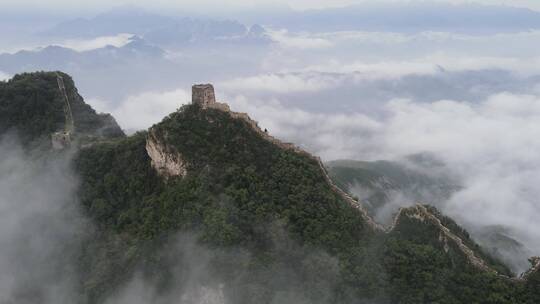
[(165, 160), (535, 263)]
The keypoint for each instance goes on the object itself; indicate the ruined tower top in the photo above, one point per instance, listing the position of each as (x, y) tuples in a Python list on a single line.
[(203, 94)]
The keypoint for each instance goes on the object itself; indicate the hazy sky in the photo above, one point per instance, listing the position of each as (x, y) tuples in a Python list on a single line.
[(215, 5)]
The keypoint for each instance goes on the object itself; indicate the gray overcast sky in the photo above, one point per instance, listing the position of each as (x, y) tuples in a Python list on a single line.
[(217, 5)]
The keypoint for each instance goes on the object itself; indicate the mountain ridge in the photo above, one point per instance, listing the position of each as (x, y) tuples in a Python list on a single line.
[(239, 189), (417, 210)]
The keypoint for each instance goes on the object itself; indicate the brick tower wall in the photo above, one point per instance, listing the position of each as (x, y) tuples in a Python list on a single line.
[(203, 94)]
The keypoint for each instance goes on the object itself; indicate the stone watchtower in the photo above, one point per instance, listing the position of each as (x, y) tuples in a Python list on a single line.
[(203, 95)]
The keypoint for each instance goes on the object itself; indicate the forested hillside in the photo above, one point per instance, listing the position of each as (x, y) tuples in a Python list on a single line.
[(249, 221), (32, 106)]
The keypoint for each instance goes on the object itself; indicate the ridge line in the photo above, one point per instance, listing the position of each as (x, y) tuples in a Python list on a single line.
[(476, 261)]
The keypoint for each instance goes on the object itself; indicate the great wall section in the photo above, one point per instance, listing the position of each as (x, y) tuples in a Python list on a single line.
[(204, 96), (62, 139), (70, 123)]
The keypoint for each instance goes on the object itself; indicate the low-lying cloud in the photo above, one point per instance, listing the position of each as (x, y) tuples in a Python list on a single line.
[(139, 112), (397, 54), (40, 226), (199, 274), (43, 233), (281, 83), (4, 76), (299, 41), (82, 45)]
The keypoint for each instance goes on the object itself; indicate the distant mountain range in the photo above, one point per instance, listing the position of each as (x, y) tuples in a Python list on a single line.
[(141, 65), (407, 17), (53, 56), (158, 29)]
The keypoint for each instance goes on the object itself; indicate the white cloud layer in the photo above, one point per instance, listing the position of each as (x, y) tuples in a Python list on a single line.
[(141, 111), (281, 83), (428, 65), (82, 45), (297, 41), (383, 54), (4, 76), (40, 226)]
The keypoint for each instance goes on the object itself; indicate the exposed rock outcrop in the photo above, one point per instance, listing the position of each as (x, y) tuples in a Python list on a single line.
[(535, 261), (165, 159)]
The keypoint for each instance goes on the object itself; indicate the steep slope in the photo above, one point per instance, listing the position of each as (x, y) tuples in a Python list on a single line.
[(238, 186), (32, 105)]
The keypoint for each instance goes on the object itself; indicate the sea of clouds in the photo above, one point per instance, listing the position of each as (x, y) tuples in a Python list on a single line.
[(464, 99)]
